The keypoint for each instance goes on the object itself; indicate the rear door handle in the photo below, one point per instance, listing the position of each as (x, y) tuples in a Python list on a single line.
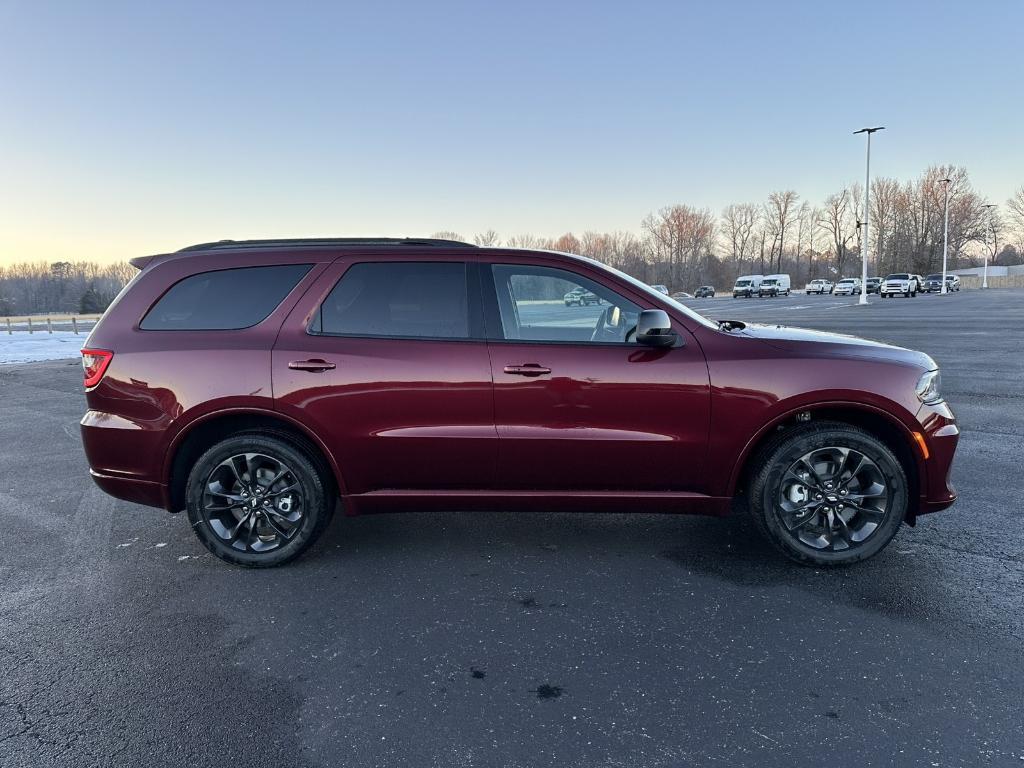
[(313, 366), (527, 369)]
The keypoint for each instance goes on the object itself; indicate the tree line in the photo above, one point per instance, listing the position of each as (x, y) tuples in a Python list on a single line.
[(682, 246), (61, 286)]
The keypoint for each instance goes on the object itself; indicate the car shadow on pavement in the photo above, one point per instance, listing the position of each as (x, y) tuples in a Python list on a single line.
[(728, 550)]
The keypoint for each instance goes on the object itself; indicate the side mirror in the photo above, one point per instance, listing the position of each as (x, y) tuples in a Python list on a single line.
[(654, 329)]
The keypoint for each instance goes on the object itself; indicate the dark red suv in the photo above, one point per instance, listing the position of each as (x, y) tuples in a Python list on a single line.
[(255, 384)]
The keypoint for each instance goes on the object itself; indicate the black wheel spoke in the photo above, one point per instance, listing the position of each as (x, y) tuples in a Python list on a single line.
[(236, 532), (238, 465), (292, 487), (271, 483), (818, 481), (281, 531), (797, 522)]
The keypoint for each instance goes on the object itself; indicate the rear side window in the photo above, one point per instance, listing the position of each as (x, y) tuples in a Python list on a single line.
[(425, 300), (227, 299)]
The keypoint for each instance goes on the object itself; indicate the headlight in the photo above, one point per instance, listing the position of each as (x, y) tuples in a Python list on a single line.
[(928, 388)]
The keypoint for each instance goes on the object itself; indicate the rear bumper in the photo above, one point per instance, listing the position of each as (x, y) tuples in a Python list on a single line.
[(122, 457), (131, 489)]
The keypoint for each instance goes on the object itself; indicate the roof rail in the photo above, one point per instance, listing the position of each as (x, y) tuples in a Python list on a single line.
[(325, 241)]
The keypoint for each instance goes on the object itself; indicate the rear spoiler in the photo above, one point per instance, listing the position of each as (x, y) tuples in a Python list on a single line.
[(140, 262)]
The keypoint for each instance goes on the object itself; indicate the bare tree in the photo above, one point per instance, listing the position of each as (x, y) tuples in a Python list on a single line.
[(567, 243), (488, 238), (682, 239), (737, 231), (779, 211), (836, 221), (1015, 215), (526, 241), (885, 197), (446, 235)]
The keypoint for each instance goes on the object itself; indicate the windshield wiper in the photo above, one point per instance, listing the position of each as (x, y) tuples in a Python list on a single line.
[(731, 325)]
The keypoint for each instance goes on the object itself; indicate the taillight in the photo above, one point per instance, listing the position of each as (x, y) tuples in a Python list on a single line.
[(94, 364)]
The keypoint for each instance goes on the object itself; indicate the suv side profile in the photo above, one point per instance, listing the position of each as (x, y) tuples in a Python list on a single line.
[(258, 384)]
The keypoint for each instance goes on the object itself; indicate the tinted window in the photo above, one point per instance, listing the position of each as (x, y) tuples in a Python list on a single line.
[(544, 304), (399, 299), (227, 299), (898, 277)]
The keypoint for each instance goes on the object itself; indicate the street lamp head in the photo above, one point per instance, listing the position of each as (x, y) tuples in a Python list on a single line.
[(869, 130)]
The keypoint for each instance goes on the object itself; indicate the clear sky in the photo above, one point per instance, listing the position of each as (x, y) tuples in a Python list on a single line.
[(141, 127)]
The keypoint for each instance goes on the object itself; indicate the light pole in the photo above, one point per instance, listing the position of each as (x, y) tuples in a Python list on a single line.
[(945, 233), (989, 207), (867, 213)]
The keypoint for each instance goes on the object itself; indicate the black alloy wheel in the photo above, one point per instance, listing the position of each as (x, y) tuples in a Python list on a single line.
[(259, 500), (829, 494)]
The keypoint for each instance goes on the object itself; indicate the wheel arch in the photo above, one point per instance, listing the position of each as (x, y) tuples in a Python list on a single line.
[(882, 424), (201, 433)]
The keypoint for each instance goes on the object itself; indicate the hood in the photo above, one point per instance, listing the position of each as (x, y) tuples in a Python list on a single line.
[(820, 343)]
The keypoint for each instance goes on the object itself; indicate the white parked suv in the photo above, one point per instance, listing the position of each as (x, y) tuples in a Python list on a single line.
[(819, 286), (848, 286), (899, 284)]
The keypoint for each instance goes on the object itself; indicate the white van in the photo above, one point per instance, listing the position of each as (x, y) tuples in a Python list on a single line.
[(774, 285), (747, 286)]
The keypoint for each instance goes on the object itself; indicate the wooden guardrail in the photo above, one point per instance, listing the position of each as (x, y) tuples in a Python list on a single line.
[(46, 323)]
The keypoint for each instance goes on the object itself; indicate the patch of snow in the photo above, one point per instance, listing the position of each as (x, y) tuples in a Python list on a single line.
[(36, 347)]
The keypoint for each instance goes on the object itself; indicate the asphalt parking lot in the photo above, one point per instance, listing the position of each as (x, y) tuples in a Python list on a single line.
[(524, 640)]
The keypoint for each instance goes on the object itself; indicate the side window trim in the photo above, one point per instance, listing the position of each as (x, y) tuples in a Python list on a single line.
[(474, 301), (493, 326)]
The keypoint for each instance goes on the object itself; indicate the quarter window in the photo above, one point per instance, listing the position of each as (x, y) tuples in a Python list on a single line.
[(225, 299), (425, 300), (545, 304)]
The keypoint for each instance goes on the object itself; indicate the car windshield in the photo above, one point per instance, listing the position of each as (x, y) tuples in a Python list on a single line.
[(770, 282), (647, 290), (742, 282), (898, 277), (934, 277), (848, 281)]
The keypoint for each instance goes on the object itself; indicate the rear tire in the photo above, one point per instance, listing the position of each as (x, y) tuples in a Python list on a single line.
[(828, 494), (258, 501)]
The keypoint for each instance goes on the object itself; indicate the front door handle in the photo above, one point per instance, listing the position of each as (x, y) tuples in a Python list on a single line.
[(313, 366), (527, 369)]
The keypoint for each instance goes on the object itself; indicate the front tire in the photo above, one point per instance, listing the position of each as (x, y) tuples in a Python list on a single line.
[(258, 501), (828, 494)]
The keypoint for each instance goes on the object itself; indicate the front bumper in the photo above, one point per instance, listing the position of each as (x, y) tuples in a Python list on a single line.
[(941, 435)]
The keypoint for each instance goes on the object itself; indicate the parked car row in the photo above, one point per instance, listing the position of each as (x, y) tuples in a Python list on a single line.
[(899, 284), (748, 286)]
